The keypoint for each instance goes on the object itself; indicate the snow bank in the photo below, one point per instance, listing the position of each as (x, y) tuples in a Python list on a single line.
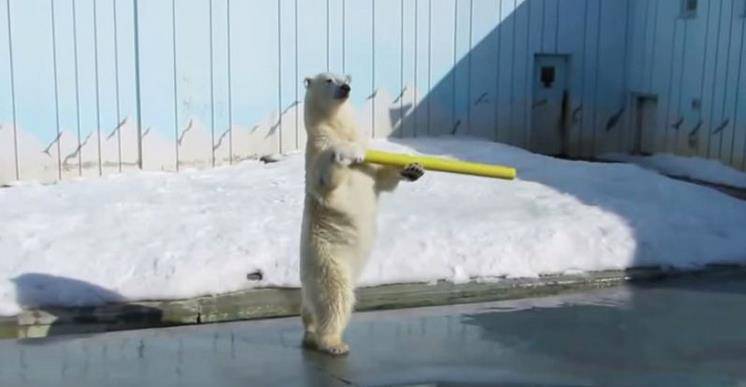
[(697, 168), (141, 236)]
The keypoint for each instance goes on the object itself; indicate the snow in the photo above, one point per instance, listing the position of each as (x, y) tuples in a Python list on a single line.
[(697, 168), (158, 235)]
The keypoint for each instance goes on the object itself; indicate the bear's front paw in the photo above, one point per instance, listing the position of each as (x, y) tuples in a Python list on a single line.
[(347, 155), (413, 172)]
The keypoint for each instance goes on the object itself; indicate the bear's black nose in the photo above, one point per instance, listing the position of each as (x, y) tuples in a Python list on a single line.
[(345, 88)]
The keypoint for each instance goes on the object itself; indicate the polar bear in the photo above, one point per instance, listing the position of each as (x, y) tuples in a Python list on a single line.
[(339, 216)]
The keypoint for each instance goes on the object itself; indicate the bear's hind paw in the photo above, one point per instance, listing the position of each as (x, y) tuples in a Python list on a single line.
[(340, 349)]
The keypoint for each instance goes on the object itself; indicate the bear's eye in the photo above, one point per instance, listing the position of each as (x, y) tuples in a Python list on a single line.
[(328, 81)]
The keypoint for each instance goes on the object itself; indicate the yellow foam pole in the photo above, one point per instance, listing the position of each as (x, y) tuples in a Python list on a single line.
[(440, 164)]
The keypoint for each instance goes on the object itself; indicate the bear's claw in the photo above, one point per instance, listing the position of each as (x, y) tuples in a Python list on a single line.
[(413, 172), (349, 155)]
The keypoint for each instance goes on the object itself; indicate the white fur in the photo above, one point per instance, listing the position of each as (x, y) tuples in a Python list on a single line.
[(339, 218)]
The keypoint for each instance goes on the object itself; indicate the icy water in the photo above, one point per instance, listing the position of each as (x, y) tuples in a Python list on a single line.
[(673, 333)]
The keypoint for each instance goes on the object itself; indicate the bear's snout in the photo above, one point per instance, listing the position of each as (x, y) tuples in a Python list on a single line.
[(344, 91)]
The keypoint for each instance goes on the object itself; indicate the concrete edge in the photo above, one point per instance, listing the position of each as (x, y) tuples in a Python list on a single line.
[(282, 302)]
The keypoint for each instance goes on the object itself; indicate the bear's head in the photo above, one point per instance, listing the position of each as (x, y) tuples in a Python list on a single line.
[(326, 92)]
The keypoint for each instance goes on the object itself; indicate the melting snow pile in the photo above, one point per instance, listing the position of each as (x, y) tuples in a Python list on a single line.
[(153, 235)]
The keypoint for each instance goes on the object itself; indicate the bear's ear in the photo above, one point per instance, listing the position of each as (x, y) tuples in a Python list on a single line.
[(307, 82), (348, 78)]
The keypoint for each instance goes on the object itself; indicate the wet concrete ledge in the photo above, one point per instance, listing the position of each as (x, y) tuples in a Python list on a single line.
[(281, 302)]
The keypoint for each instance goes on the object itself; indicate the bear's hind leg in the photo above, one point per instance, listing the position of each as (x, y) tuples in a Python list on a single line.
[(309, 325), (332, 315)]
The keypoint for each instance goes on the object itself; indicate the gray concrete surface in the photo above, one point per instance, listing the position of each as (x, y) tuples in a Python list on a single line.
[(680, 332)]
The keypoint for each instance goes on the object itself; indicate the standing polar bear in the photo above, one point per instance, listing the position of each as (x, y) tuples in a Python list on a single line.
[(339, 216)]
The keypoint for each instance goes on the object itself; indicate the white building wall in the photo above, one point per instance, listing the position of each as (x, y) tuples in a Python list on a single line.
[(220, 80)]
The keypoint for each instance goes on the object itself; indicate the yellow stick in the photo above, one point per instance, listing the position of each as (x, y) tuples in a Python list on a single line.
[(440, 164)]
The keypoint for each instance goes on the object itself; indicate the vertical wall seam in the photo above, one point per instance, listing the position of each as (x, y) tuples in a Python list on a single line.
[(344, 27), (212, 88), (653, 44), (373, 69), (582, 78), (229, 59), (623, 130), (679, 108), (738, 94), (454, 73), (645, 41), (13, 92), (176, 90), (595, 76), (557, 27), (96, 83), (279, 69), (138, 96), (714, 80), (721, 134), (297, 79), (401, 69), (415, 102), (667, 118), (116, 83), (56, 90), (704, 65), (511, 108), (469, 67), (543, 23), (498, 49), (526, 89), (429, 60), (77, 88)]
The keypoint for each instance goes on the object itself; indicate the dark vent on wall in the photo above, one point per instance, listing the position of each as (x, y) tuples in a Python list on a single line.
[(689, 8), (547, 76)]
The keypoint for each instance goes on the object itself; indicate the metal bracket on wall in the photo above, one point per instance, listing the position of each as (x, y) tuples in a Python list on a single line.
[(693, 138), (614, 119), (184, 132), (482, 99), (576, 113), (455, 127), (220, 139), (400, 96), (539, 103), (77, 150), (676, 125), (57, 138), (117, 128), (721, 126)]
